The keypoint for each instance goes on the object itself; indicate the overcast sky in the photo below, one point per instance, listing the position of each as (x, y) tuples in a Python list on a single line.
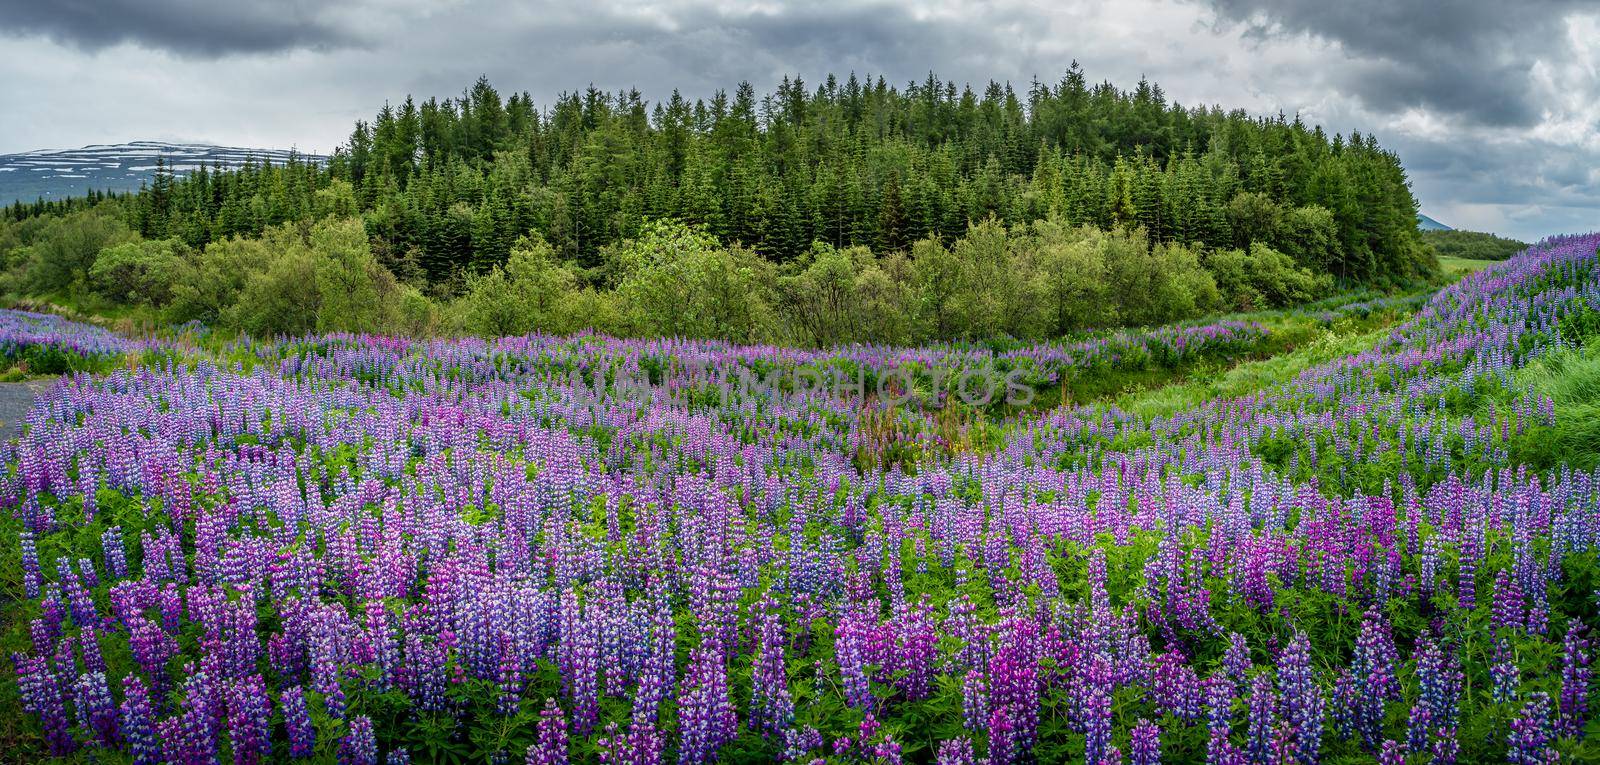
[(1494, 106)]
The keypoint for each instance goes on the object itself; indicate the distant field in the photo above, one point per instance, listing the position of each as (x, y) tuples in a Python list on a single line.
[(1454, 267)]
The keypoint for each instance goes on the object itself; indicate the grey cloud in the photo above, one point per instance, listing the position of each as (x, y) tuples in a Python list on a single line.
[(1468, 68), (200, 28), (1471, 59)]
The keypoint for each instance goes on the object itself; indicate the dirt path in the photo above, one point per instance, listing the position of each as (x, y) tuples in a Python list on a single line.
[(16, 399)]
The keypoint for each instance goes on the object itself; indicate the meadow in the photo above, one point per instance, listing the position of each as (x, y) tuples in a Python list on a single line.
[(1362, 530)]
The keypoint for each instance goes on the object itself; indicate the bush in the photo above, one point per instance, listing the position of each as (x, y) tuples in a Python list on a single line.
[(283, 299), (62, 252), (1261, 277), (676, 281), (210, 282), (140, 272)]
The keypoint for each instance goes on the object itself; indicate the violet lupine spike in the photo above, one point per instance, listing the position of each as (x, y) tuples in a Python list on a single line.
[(42, 696), (297, 720), (97, 713), (771, 705), (359, 745), (136, 722), (1504, 673), (1303, 701), (1263, 706), (1145, 747), (1372, 673), (1530, 737), (551, 745), (957, 751), (706, 716), (1576, 677), (250, 720)]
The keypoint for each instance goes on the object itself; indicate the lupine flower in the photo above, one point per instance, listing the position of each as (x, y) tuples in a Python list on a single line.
[(297, 718), (137, 722), (360, 515), (359, 747), (97, 713), (551, 748), (1529, 741), (1575, 679), (1146, 746), (1303, 702)]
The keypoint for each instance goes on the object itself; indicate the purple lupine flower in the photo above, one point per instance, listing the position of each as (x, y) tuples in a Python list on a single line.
[(1146, 744), (975, 700), (551, 746), (706, 716), (40, 689), (297, 719), (771, 705), (1372, 677), (956, 751), (249, 720), (1529, 740), (1096, 711), (137, 722), (116, 554), (1002, 738), (1303, 702), (1575, 679), (1219, 712), (1510, 607), (1263, 709), (1504, 672), (31, 575), (1445, 747), (1236, 660), (359, 746), (510, 680), (97, 713), (641, 745)]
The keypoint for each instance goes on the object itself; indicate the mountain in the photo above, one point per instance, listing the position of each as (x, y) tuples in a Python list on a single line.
[(58, 173), (1428, 224)]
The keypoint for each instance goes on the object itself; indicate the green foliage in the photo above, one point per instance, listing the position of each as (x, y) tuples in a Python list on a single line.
[(138, 272), (1262, 277), (449, 185), (533, 292), (1570, 378), (281, 299), (676, 281), (1471, 245), (58, 255)]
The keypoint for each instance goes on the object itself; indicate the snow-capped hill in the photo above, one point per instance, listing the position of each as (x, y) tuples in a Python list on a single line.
[(59, 173)]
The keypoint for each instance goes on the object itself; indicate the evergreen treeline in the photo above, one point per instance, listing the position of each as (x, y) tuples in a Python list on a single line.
[(1472, 245), (448, 185)]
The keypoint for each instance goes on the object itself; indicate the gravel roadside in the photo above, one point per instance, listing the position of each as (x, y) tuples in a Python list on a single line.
[(16, 399)]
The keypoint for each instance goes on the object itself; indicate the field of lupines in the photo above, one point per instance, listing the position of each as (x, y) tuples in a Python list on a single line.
[(365, 550)]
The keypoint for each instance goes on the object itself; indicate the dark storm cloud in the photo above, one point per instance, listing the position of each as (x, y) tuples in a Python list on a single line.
[(187, 27), (1471, 59)]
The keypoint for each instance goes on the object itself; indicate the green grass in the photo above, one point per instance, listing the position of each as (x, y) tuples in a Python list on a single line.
[(1455, 268), (1250, 376), (1571, 378)]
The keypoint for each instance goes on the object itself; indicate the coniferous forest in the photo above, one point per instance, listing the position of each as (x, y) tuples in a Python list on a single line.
[(892, 177)]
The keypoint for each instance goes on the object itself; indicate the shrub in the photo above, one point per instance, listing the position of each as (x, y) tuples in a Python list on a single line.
[(676, 281), (1262, 277), (139, 272)]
